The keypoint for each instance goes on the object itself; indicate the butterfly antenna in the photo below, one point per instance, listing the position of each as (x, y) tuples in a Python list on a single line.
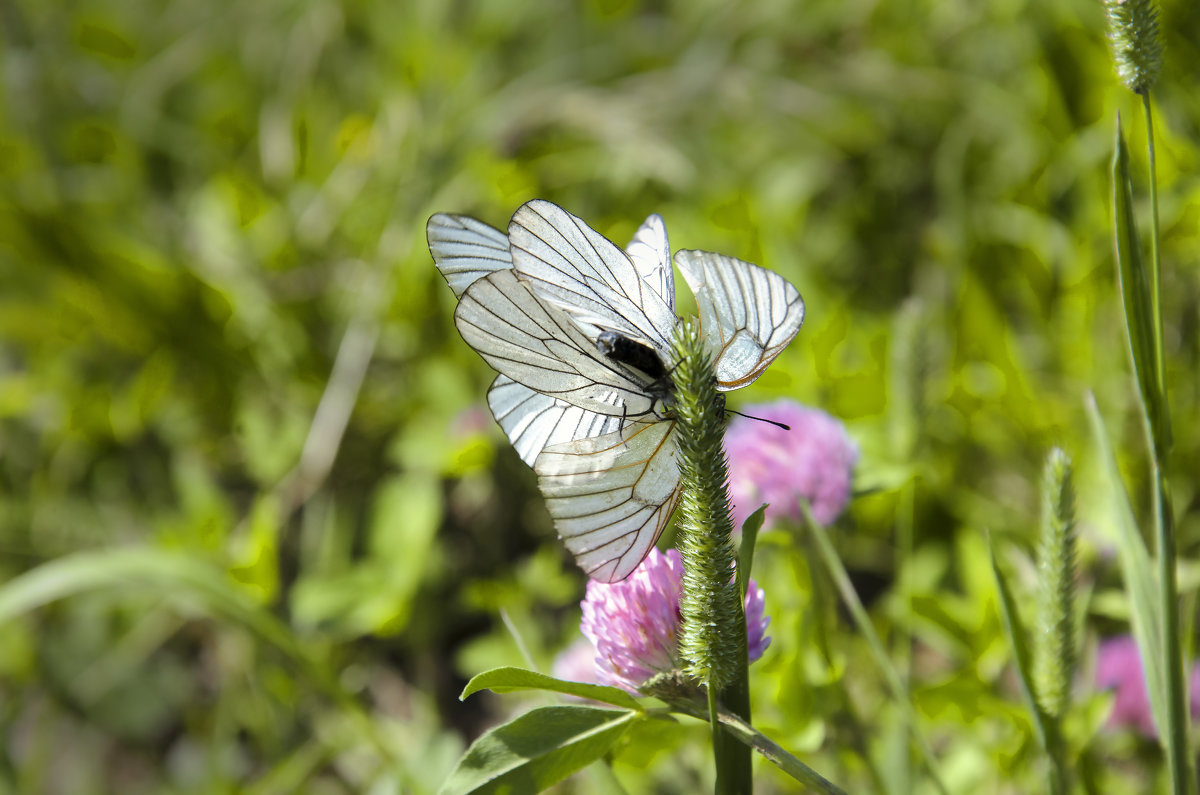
[(760, 419)]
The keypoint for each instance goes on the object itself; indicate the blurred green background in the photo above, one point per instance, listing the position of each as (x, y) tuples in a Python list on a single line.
[(256, 526)]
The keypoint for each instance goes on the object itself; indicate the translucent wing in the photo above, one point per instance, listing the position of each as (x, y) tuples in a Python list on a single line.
[(748, 314), (568, 263), (533, 421), (611, 496), (539, 346), (650, 253), (465, 250)]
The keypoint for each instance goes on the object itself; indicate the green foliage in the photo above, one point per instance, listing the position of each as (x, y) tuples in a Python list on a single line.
[(1143, 322), (256, 528), (538, 749), (745, 558), (508, 680)]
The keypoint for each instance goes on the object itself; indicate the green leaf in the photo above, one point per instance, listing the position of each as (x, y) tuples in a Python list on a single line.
[(538, 749), (1138, 571), (1017, 638), (750, 528), (508, 680), (1141, 322)]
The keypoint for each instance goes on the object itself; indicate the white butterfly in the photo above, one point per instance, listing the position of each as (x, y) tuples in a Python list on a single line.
[(466, 250), (580, 333)]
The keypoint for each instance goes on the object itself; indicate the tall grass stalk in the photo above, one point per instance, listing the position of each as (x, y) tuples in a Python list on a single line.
[(1160, 440), (1143, 324), (1137, 53), (1054, 638), (713, 632)]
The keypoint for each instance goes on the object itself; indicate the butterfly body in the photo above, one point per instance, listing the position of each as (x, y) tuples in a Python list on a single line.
[(642, 358)]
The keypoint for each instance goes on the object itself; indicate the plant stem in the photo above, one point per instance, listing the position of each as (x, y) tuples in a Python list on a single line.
[(1155, 262), (1177, 730), (1164, 521), (713, 632)]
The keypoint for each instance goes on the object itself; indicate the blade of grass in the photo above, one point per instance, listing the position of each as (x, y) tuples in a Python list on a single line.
[(1155, 276), (1045, 727), (1137, 297), (1017, 638), (745, 560), (845, 588), (765, 746), (1140, 287), (1136, 567)]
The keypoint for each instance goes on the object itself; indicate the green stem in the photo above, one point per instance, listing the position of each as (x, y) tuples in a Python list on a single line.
[(1164, 522), (1177, 717), (1056, 750), (713, 633), (714, 723), (735, 699), (905, 520), (1155, 262)]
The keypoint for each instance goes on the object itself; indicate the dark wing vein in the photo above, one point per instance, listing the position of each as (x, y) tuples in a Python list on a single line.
[(465, 250), (584, 274), (537, 345), (611, 496)]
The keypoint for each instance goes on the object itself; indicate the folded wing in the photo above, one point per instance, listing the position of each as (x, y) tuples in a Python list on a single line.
[(611, 496), (533, 421), (650, 253), (539, 346), (748, 314), (465, 250), (568, 263)]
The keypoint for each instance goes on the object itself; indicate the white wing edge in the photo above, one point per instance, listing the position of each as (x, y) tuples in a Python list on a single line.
[(748, 314), (612, 496), (536, 344), (533, 421), (650, 253), (583, 273), (465, 249)]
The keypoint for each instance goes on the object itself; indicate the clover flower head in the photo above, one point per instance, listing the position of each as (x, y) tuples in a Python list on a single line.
[(813, 461), (575, 663), (633, 624), (1119, 668)]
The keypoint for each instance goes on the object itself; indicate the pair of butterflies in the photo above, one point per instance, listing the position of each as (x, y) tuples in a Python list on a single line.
[(580, 332)]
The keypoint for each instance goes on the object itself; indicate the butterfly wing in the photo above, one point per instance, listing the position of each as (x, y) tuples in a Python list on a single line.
[(465, 250), (533, 421), (611, 496), (748, 314), (538, 345), (650, 253), (571, 265)]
